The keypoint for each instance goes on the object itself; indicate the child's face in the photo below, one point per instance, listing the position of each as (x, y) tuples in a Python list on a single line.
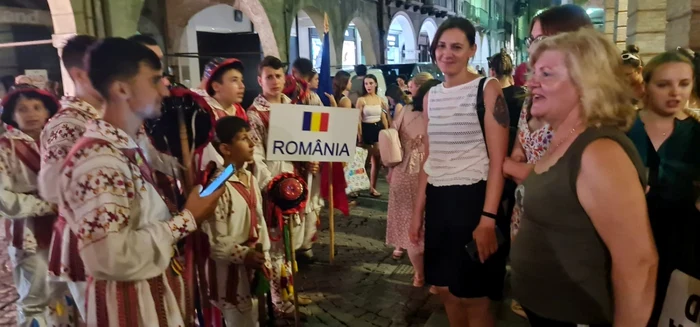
[(240, 150), (30, 114)]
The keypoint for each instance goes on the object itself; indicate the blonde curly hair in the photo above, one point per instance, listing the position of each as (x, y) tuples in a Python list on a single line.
[(595, 68)]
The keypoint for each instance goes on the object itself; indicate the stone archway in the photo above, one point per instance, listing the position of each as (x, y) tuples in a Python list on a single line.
[(316, 17), (184, 10), (368, 40), (429, 27), (406, 42)]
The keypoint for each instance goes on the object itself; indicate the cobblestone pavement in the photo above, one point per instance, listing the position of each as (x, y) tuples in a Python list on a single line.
[(365, 286)]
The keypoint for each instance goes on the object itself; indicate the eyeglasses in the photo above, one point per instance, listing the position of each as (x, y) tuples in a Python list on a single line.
[(628, 56), (530, 40)]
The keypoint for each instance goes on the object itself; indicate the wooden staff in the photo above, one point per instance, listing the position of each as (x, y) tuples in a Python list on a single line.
[(262, 312), (331, 213), (189, 245), (292, 273)]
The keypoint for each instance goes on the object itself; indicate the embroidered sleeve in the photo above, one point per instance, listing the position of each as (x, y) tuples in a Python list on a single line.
[(259, 133), (14, 204), (57, 138), (115, 242), (223, 244)]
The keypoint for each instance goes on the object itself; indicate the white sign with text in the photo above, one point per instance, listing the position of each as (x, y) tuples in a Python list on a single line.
[(311, 133), (682, 303)]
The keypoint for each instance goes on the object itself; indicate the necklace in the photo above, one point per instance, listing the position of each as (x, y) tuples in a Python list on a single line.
[(573, 130)]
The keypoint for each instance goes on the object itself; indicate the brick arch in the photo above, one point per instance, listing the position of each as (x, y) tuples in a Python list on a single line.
[(183, 10)]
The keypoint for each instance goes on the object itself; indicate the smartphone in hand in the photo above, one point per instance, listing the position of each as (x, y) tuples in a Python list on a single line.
[(473, 251), (220, 180)]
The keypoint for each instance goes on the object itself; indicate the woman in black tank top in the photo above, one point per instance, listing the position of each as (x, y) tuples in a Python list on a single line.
[(584, 252)]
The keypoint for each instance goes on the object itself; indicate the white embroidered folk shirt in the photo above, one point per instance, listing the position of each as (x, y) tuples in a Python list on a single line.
[(57, 138), (125, 232), (18, 190), (231, 237)]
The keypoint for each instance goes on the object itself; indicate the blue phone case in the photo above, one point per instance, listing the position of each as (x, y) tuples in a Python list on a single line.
[(213, 186)]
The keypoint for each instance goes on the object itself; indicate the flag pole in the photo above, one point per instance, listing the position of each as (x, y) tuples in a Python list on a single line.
[(331, 205), (331, 214)]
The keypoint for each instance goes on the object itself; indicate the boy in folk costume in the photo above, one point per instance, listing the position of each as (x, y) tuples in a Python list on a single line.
[(224, 87), (28, 218), (223, 84), (124, 228), (57, 138), (271, 78), (238, 225)]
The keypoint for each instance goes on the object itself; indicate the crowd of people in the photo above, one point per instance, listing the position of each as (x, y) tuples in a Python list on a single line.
[(588, 165), (584, 178)]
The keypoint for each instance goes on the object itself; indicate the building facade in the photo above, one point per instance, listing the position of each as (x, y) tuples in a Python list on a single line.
[(361, 31)]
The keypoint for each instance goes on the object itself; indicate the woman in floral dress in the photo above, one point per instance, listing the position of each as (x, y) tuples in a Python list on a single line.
[(403, 180)]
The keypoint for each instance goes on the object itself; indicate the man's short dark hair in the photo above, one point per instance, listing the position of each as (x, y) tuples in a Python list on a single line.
[(270, 61), (304, 66), (75, 50), (143, 39), (115, 59), (360, 70)]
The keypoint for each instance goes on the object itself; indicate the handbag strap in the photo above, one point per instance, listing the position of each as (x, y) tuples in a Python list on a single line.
[(401, 118), (481, 109)]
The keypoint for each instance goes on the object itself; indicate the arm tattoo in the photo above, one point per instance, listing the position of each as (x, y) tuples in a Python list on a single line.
[(500, 112)]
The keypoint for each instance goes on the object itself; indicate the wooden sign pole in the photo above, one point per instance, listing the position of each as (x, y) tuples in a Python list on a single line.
[(331, 211)]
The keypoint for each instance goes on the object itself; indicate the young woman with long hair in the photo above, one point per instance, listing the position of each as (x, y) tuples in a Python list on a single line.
[(666, 134), (374, 118)]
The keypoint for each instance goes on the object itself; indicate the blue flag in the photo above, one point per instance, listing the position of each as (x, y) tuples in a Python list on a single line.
[(325, 80)]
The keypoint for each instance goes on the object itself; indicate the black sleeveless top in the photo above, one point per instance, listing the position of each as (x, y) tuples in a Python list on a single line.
[(560, 266)]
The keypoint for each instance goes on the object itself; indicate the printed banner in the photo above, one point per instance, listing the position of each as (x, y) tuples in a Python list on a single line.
[(312, 133)]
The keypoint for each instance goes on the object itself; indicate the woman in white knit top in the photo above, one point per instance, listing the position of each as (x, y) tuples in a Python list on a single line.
[(460, 191)]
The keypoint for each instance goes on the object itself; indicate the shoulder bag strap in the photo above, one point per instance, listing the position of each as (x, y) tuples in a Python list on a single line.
[(481, 108)]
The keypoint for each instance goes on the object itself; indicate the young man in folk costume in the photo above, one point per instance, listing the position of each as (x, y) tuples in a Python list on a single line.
[(57, 138), (28, 218), (126, 233), (151, 43), (238, 227), (271, 78), (299, 92)]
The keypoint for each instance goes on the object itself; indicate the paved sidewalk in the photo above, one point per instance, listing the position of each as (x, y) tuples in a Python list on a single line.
[(365, 286)]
